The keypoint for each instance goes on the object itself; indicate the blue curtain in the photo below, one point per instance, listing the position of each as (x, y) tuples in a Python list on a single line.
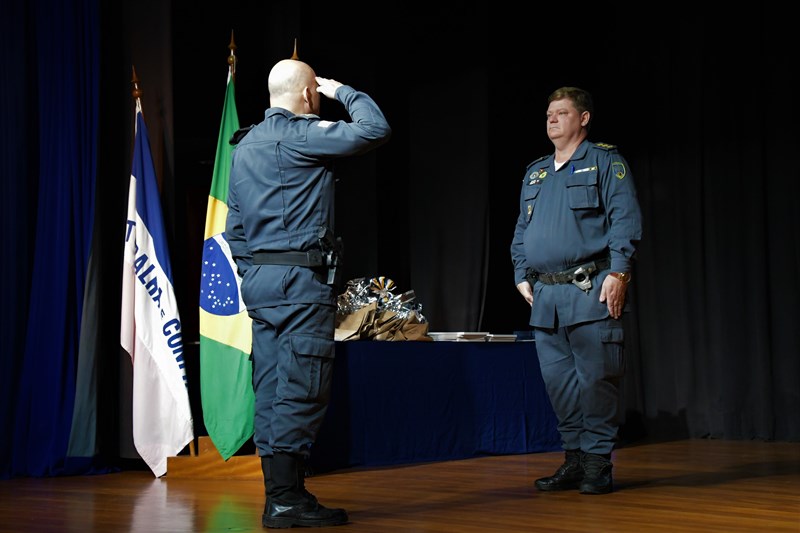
[(49, 138)]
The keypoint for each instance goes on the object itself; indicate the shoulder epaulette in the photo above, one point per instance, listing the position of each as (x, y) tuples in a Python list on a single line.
[(239, 134), (606, 146), (536, 161)]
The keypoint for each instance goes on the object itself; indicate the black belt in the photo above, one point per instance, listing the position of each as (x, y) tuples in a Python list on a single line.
[(311, 258), (579, 272)]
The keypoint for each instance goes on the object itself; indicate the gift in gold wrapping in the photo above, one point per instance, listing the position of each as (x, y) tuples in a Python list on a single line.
[(369, 310)]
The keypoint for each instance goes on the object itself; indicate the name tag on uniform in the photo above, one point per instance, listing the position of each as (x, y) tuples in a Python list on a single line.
[(587, 169)]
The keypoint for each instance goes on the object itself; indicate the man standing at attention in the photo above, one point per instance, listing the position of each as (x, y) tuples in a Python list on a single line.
[(280, 231), (573, 250)]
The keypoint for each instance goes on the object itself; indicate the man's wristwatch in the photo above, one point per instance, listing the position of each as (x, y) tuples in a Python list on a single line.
[(624, 277)]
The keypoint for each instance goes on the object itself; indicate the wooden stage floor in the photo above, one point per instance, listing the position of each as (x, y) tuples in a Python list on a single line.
[(689, 485)]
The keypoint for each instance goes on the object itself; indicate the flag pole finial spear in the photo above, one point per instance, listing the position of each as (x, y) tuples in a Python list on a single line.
[(294, 54), (136, 92), (232, 57)]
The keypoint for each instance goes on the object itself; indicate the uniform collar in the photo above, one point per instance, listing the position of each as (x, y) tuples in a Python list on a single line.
[(580, 151), (272, 111)]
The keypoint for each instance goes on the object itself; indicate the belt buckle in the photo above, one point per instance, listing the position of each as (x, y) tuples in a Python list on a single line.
[(580, 278)]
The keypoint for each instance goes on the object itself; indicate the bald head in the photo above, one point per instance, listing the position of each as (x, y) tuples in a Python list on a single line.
[(293, 85)]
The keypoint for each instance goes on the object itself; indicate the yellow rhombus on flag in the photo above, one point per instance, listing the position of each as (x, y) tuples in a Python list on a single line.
[(226, 388)]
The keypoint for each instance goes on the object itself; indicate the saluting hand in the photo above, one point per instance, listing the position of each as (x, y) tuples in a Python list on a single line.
[(328, 87)]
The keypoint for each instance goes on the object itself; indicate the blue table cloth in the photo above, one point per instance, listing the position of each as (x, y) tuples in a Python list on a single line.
[(410, 402)]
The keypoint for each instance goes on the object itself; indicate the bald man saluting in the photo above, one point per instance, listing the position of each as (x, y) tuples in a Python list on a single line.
[(281, 234)]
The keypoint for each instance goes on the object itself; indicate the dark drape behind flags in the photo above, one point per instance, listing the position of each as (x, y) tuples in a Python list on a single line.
[(150, 328), (225, 329), (49, 109)]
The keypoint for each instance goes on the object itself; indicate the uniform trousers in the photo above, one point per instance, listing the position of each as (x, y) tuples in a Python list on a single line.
[(293, 351), (581, 366)]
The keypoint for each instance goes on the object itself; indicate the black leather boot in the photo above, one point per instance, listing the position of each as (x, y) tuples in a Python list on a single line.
[(597, 477), (567, 477), (267, 479), (303, 470), (288, 503)]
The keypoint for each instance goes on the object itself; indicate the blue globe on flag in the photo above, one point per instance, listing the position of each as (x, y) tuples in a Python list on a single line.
[(219, 284)]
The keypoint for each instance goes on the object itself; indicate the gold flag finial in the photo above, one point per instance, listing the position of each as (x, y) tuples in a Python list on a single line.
[(294, 54), (136, 92), (232, 57)]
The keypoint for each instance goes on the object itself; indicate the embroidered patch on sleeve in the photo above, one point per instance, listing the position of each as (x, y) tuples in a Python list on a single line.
[(619, 169)]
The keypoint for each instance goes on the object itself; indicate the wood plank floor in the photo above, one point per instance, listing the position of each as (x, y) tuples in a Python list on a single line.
[(689, 485)]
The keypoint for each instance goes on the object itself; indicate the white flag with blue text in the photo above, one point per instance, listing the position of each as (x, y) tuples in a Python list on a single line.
[(151, 327)]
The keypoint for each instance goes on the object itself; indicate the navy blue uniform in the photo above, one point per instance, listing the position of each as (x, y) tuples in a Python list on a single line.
[(584, 211), (281, 193)]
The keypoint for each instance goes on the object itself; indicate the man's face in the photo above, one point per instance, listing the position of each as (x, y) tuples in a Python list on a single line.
[(563, 120)]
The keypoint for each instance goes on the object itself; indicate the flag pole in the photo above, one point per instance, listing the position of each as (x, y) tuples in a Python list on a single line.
[(232, 65), (136, 93)]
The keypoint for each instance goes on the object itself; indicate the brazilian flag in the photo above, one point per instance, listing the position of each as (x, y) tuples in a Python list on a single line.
[(225, 329)]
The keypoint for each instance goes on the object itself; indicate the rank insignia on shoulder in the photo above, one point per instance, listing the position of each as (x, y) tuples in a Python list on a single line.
[(605, 146), (619, 169)]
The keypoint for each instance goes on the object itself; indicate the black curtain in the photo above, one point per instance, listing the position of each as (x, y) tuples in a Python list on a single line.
[(700, 105)]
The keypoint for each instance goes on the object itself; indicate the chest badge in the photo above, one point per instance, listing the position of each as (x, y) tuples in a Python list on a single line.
[(536, 177)]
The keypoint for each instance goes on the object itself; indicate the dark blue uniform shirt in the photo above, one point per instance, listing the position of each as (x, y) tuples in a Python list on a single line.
[(282, 191), (585, 210)]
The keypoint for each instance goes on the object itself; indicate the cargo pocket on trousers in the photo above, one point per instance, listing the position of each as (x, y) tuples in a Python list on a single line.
[(613, 340), (313, 359)]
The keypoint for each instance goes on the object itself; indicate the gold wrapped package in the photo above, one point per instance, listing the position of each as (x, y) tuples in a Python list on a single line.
[(369, 310)]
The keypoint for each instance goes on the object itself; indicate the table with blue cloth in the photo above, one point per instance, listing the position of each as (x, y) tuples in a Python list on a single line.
[(410, 402)]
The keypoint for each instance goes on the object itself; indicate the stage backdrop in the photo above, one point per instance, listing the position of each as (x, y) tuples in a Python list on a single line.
[(698, 104)]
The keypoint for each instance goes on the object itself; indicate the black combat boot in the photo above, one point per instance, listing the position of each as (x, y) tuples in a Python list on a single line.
[(567, 477), (303, 470), (288, 503), (267, 480), (596, 474)]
